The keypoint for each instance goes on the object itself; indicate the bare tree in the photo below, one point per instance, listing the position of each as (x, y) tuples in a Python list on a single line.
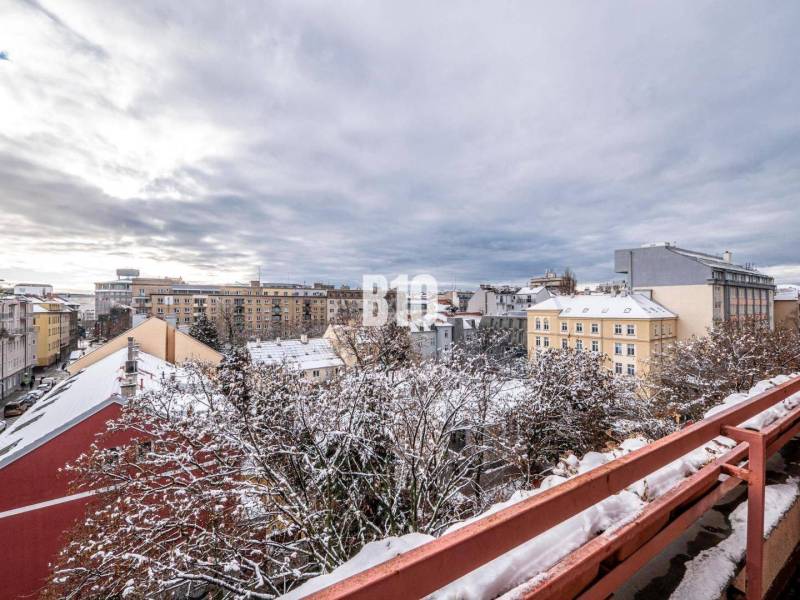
[(690, 376), (568, 282)]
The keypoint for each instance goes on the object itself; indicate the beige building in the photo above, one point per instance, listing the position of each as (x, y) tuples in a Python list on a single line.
[(787, 307), (144, 287), (704, 289), (626, 328), (255, 310), (155, 337), (345, 303)]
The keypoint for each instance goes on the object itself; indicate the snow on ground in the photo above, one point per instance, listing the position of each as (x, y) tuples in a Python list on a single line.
[(710, 572), (520, 567), (370, 555)]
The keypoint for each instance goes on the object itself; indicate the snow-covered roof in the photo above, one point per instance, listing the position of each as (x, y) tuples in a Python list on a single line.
[(787, 293), (605, 306), (530, 291), (316, 353), (716, 262), (75, 399)]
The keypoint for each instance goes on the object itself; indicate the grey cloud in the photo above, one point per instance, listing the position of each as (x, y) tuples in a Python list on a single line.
[(485, 144)]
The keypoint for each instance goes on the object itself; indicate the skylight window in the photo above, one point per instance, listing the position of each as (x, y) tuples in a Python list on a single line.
[(9, 447), (627, 310), (44, 404), (26, 423)]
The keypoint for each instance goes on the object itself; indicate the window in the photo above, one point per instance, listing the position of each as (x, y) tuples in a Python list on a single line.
[(315, 372), (579, 345), (546, 324), (578, 327), (631, 349), (595, 346), (538, 341), (618, 368), (631, 329), (564, 343), (564, 327), (631, 370), (617, 329), (546, 342), (538, 324), (617, 348), (595, 328)]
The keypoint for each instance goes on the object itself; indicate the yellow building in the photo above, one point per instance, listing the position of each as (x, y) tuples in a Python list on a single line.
[(626, 328), (51, 325), (157, 338)]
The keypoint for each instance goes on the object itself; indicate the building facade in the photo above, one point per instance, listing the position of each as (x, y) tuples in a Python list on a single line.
[(115, 292), (345, 304), (33, 289), (550, 280), (491, 299), (787, 307), (17, 342), (703, 289), (627, 328), (52, 323)]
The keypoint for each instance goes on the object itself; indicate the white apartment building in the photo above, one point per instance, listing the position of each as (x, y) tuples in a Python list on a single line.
[(17, 342)]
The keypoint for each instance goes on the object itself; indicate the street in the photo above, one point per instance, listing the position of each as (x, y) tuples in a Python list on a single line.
[(52, 371)]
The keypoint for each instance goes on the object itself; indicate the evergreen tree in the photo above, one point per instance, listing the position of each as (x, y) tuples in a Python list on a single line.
[(204, 331)]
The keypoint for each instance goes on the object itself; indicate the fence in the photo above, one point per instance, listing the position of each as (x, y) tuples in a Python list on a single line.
[(602, 565)]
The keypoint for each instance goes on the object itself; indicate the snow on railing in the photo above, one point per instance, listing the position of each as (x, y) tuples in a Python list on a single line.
[(619, 508)]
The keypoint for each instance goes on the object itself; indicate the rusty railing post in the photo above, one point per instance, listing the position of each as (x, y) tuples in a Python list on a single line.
[(756, 482)]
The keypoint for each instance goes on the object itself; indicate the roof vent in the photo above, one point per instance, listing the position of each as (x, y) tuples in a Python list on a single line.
[(727, 256)]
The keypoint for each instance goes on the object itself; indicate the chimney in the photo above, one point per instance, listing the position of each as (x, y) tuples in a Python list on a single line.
[(128, 385), (304, 339), (727, 256)]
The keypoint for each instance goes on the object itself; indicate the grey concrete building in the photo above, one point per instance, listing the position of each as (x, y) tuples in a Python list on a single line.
[(702, 289)]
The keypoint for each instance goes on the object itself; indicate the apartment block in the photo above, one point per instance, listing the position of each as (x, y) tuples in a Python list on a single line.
[(627, 328), (52, 323), (703, 289), (345, 303), (17, 342), (255, 310), (787, 307)]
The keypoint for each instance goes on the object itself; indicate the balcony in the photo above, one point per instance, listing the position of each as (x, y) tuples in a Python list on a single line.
[(602, 565)]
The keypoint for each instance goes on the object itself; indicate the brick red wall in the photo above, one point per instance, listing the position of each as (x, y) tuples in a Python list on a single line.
[(29, 542)]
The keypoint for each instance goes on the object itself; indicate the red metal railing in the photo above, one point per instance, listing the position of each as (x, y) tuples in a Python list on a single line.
[(621, 553)]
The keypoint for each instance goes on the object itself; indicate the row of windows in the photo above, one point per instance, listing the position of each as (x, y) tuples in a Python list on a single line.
[(540, 324), (631, 369), (544, 342)]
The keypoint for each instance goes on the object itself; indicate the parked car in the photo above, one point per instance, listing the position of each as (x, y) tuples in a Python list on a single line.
[(14, 409), (37, 393), (27, 401), (51, 381), (44, 388), (2, 426)]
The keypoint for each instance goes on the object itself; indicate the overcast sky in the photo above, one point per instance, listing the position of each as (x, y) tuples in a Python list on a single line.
[(476, 142)]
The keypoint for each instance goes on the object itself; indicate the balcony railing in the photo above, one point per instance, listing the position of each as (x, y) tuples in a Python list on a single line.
[(602, 565)]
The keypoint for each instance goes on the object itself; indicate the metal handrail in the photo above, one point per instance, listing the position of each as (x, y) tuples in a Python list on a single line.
[(431, 566)]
